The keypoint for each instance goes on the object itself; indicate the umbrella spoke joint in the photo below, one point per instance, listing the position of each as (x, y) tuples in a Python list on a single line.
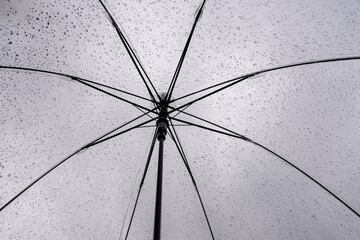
[(162, 122)]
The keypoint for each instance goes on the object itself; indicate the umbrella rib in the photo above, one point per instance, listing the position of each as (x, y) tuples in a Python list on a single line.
[(116, 89), (142, 182), (177, 142), (211, 93), (147, 126), (122, 132), (127, 123), (236, 135), (131, 53), (213, 86), (113, 95), (241, 78), (143, 111), (176, 125), (74, 78), (64, 160), (180, 111), (183, 54), (214, 124)]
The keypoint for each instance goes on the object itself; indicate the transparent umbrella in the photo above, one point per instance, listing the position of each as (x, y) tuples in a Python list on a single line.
[(180, 119)]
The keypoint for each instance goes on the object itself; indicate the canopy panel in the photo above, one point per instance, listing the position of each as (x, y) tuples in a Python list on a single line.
[(234, 38), (89, 196), (252, 194), (182, 215), (44, 120), (309, 115), (158, 31), (73, 38)]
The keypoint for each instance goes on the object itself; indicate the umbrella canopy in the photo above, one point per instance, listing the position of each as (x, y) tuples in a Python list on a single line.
[(262, 99)]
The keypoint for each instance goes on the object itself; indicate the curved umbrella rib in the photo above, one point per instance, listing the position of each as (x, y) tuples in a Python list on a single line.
[(176, 125), (236, 135), (118, 134), (147, 126), (113, 95), (141, 183), (213, 86), (116, 89), (123, 125), (177, 142), (214, 124), (65, 159), (132, 55), (211, 93), (74, 78), (178, 68), (180, 111), (241, 78), (146, 113)]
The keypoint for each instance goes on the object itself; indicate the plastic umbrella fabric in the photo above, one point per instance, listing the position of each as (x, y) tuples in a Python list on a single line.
[(260, 101)]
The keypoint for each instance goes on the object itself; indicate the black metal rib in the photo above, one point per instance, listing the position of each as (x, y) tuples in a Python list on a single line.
[(178, 68), (119, 90), (186, 163), (122, 132), (132, 55), (180, 111), (148, 126), (207, 88), (146, 113), (123, 125), (236, 135), (268, 70), (73, 77), (214, 124), (64, 160), (209, 94), (113, 95), (176, 125), (142, 182)]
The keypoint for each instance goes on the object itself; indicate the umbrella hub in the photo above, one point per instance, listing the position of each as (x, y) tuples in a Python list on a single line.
[(162, 122)]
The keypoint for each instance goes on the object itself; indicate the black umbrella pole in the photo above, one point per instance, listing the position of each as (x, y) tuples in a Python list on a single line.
[(162, 130), (157, 224), (162, 125)]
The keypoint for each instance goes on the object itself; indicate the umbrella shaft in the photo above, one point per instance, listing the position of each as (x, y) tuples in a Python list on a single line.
[(157, 225)]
